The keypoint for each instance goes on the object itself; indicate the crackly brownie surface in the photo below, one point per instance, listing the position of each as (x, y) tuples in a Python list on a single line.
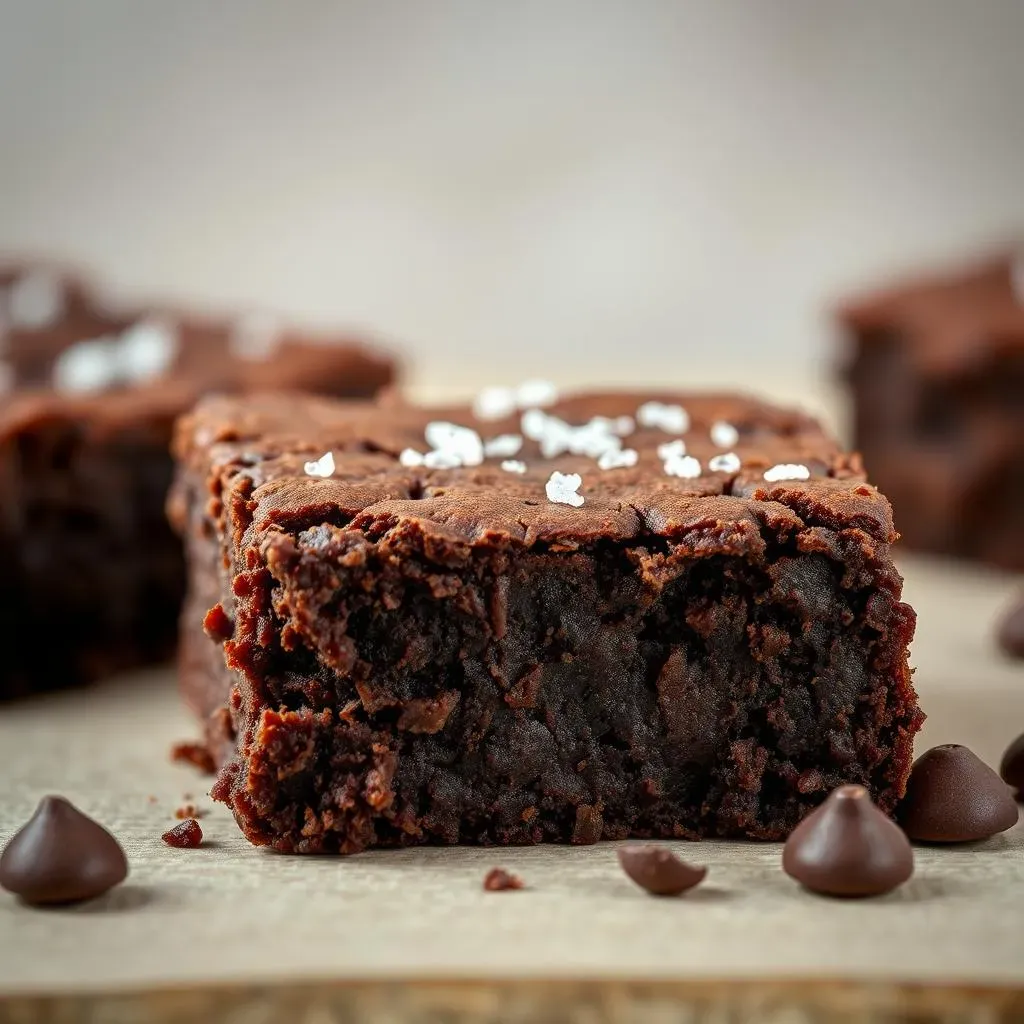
[(937, 381), (618, 615), (93, 577)]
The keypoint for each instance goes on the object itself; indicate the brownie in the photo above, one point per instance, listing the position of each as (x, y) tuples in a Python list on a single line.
[(415, 636), (93, 575), (936, 376)]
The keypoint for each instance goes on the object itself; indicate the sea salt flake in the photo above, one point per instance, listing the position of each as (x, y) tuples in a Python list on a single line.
[(728, 463), (461, 442), (684, 466), (536, 394), (561, 489), (410, 458), (495, 403), (673, 419), (624, 425), (533, 423), (324, 466), (513, 466), (724, 435), (503, 446), (787, 471), (255, 336), (592, 439), (35, 300), (442, 460), (671, 449), (618, 459), (146, 350), (86, 366)]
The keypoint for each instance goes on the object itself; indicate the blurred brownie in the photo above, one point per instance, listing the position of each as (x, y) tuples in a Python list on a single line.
[(620, 615), (937, 381), (93, 576)]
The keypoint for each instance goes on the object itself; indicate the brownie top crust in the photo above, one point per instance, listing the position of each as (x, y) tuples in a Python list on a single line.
[(662, 464), (949, 323)]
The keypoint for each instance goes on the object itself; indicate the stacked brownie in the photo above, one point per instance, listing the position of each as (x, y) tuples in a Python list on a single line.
[(93, 577), (937, 379), (616, 615)]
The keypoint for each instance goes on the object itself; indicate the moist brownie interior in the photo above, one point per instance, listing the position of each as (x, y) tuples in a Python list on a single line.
[(399, 655)]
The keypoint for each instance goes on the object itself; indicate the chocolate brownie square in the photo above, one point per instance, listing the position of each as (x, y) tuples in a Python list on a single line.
[(620, 615), (93, 576), (936, 375)]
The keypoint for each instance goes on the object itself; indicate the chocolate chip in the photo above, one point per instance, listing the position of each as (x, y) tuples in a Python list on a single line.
[(1010, 631), (61, 856), (186, 836), (848, 847), (954, 797), (659, 870), (500, 880), (1011, 768)]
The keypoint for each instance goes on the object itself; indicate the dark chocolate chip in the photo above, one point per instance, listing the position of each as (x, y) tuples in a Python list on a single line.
[(61, 856), (1010, 631), (1011, 768), (954, 797), (848, 847), (500, 880), (186, 836), (659, 870)]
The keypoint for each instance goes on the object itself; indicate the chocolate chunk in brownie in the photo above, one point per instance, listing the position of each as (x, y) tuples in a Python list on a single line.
[(591, 621), (93, 577), (937, 380)]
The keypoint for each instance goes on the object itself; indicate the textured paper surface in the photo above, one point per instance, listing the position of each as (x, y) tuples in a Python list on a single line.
[(229, 912)]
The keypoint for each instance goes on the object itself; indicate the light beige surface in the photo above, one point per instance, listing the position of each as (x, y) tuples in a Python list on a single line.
[(229, 912)]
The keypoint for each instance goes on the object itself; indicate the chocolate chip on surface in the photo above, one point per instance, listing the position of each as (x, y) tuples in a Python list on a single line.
[(61, 856), (848, 847), (659, 871), (954, 797), (1011, 768), (1010, 630)]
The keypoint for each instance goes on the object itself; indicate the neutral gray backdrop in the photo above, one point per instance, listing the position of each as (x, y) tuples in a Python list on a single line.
[(657, 189)]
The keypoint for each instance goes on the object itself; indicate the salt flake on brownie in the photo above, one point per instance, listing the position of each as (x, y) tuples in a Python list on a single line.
[(684, 466), (724, 435), (536, 394), (727, 463), (673, 419), (451, 439), (503, 446), (410, 458), (495, 403), (787, 471), (514, 466), (146, 350), (324, 466), (618, 459), (561, 489)]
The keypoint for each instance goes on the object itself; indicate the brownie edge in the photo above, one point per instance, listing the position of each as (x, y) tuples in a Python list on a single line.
[(397, 655)]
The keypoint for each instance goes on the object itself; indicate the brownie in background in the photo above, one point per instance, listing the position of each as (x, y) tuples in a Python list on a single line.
[(937, 381), (93, 577)]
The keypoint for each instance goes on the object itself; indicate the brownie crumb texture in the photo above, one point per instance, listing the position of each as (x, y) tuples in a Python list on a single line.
[(189, 810), (195, 754), (411, 644), (500, 880), (187, 835)]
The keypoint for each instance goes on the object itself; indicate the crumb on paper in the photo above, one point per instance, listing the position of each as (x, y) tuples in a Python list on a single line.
[(186, 836), (188, 810), (195, 754), (500, 880)]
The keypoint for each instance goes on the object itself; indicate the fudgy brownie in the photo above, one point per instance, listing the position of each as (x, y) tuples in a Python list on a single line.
[(937, 380), (93, 576), (617, 616)]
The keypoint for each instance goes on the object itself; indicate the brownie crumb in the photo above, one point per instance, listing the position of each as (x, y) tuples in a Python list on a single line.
[(195, 754), (500, 880), (186, 836), (189, 810)]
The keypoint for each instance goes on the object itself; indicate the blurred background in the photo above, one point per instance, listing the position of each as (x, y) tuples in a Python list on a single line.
[(595, 190)]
